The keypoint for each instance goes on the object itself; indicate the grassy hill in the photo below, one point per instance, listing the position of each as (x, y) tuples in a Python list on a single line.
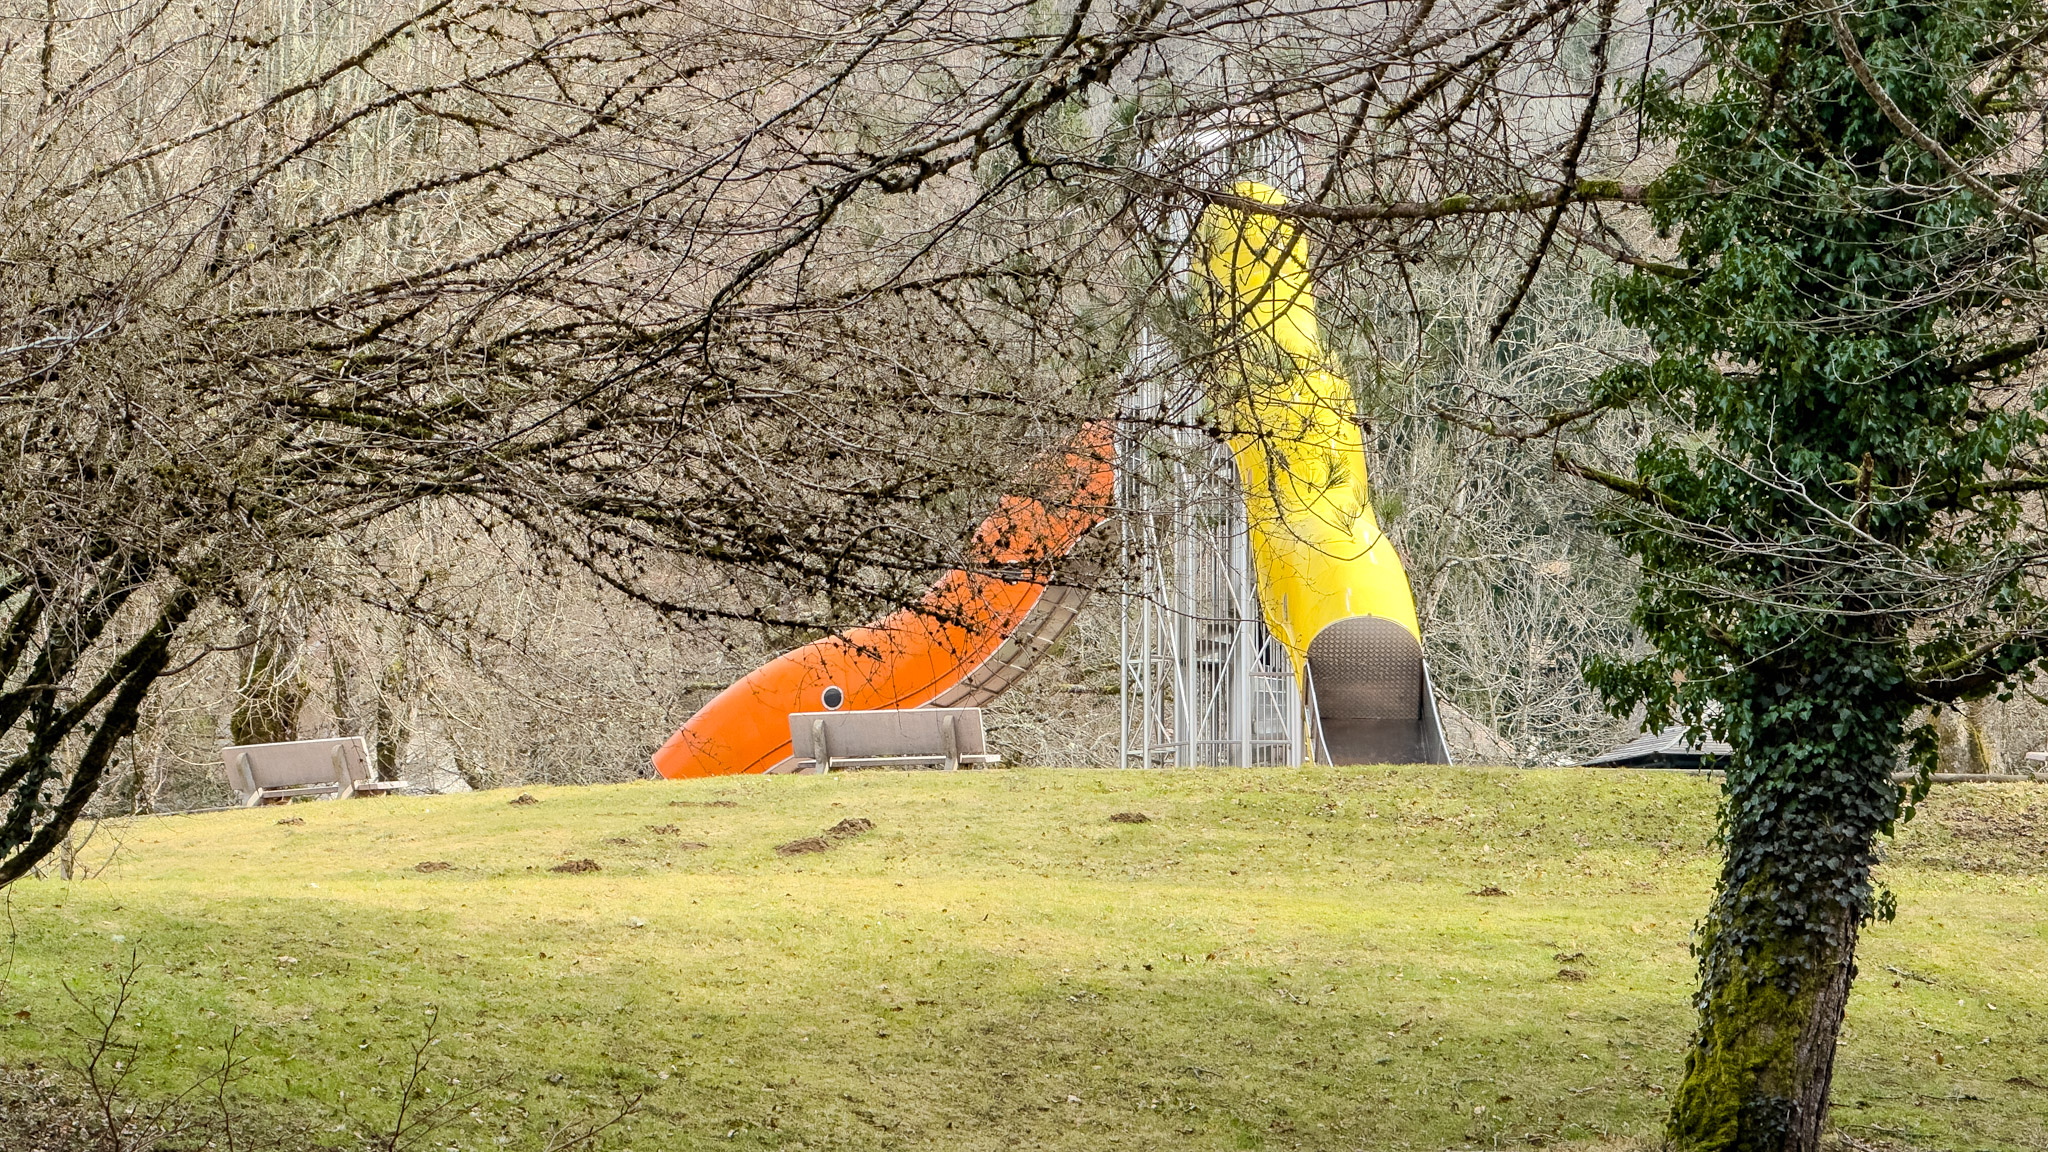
[(1298, 958)]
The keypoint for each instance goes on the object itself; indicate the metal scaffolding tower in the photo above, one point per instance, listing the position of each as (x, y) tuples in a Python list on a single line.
[(1202, 681)]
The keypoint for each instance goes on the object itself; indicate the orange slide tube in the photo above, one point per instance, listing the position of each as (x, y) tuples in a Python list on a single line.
[(911, 656)]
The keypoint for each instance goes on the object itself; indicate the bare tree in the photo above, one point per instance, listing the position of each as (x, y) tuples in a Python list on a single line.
[(743, 312), (273, 275)]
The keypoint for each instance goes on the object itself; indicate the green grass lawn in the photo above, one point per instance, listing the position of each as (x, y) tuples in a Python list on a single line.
[(1292, 958)]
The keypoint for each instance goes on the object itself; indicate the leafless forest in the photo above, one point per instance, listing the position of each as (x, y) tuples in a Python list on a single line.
[(499, 380)]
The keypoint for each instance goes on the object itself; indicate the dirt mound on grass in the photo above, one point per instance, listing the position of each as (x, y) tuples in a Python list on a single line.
[(433, 866), (585, 865), (675, 830), (844, 830), (1130, 818)]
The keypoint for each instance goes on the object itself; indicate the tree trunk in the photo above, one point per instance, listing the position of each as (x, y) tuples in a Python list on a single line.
[(272, 689), (1968, 735), (1777, 949), (1757, 1078), (394, 711)]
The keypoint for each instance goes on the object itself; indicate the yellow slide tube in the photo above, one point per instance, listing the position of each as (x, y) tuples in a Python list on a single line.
[(1293, 429)]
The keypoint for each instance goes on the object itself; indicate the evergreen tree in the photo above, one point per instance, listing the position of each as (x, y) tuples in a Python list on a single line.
[(1847, 531)]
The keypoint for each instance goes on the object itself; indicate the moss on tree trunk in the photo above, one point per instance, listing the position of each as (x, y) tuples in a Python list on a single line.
[(1757, 1077)]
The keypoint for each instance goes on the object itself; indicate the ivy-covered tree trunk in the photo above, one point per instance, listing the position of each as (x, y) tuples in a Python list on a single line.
[(1838, 533), (1808, 797)]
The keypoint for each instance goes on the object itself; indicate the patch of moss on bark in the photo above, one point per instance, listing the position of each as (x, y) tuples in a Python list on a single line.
[(1733, 1096)]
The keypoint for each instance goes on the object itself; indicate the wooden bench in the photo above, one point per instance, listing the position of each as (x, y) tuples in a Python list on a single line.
[(279, 773), (943, 738)]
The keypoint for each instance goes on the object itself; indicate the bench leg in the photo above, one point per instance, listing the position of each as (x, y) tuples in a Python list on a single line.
[(949, 739), (248, 772), (342, 774), (819, 750)]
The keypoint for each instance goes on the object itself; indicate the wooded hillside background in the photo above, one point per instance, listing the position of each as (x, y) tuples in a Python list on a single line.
[(502, 380)]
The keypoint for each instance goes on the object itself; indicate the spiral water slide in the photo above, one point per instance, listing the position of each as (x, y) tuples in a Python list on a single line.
[(1330, 584), (970, 637)]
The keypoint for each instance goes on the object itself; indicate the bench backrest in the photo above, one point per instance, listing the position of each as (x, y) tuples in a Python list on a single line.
[(296, 762), (889, 732)]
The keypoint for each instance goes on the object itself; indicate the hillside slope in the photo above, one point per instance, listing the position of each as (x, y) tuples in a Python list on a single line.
[(1299, 958)]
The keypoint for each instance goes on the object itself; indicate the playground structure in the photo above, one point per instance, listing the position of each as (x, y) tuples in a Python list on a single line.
[(1272, 622)]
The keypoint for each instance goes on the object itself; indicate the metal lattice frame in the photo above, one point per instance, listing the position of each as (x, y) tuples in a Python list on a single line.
[(1201, 680)]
